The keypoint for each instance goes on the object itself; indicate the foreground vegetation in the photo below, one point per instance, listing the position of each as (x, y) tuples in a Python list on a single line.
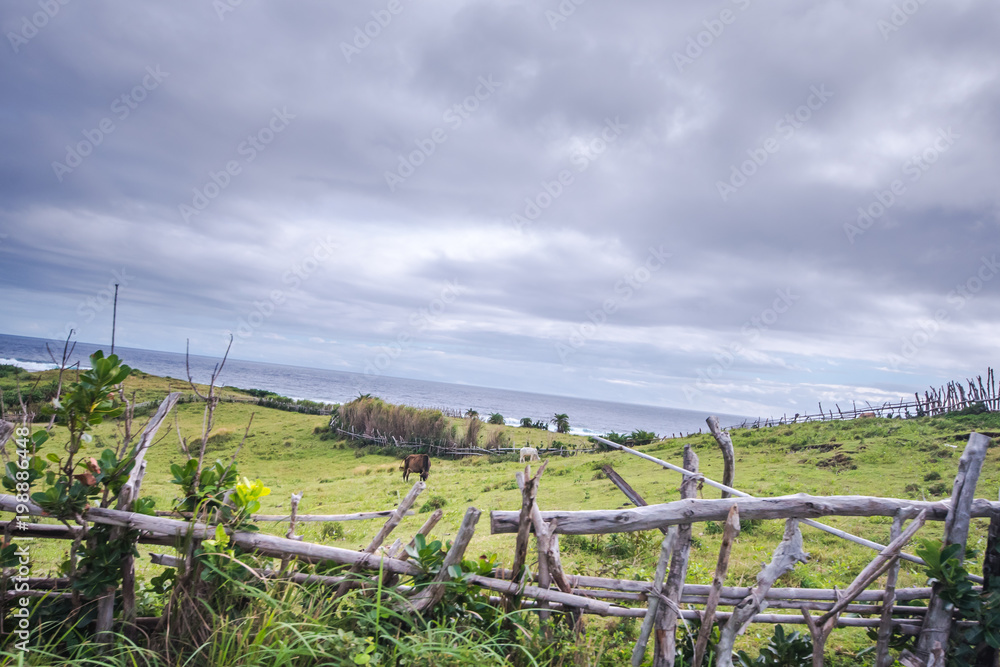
[(293, 452)]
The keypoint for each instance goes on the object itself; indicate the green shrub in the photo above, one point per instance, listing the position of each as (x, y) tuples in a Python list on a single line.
[(794, 650), (435, 502)]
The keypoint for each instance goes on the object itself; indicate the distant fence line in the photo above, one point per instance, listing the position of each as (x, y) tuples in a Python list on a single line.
[(454, 450), (948, 398)]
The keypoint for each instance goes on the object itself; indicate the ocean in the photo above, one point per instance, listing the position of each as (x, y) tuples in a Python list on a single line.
[(586, 416)]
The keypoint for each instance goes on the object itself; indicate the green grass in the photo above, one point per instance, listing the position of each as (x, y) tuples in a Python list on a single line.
[(914, 458)]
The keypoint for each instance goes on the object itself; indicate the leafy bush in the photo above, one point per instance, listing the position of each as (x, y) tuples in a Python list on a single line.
[(794, 650), (496, 418)]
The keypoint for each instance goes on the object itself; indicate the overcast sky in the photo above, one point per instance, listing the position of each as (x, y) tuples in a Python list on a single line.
[(736, 206)]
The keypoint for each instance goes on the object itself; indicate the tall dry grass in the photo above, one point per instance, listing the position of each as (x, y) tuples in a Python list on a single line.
[(370, 415), (472, 429)]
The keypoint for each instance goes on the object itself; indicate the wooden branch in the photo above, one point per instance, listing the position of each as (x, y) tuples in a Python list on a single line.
[(819, 633), (875, 568), (882, 656), (402, 553), (511, 588), (387, 528), (266, 544), (664, 646), (666, 550), (624, 487), (730, 531), (304, 518), (937, 622), (430, 596), (728, 454), (6, 430), (295, 500), (589, 522), (130, 490), (991, 569), (544, 540), (740, 592), (809, 522), (528, 492), (788, 553)]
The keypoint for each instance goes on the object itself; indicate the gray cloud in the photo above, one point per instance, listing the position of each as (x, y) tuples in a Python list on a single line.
[(695, 97)]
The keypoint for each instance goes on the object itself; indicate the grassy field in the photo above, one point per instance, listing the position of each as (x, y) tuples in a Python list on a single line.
[(908, 459)]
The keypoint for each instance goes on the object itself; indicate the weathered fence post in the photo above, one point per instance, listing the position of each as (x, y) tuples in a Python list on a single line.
[(653, 597), (129, 492), (293, 519), (937, 621), (882, 655), (788, 553), (666, 625), (729, 533), (728, 454), (528, 492), (991, 577), (431, 595), (383, 533), (821, 628)]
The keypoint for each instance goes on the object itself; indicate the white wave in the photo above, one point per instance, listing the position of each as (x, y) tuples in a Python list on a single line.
[(31, 366)]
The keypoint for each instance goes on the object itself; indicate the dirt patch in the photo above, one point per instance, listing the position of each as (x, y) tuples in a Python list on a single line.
[(838, 462), (828, 447), (964, 437)]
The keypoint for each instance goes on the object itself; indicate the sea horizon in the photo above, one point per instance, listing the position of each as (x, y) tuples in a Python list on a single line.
[(327, 385)]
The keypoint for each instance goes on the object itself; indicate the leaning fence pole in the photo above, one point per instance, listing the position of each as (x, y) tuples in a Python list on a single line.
[(882, 656), (736, 492), (666, 549), (731, 530), (728, 454), (666, 621), (937, 621), (387, 528)]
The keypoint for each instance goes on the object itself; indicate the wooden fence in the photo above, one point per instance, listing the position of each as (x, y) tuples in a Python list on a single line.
[(662, 603), (951, 397)]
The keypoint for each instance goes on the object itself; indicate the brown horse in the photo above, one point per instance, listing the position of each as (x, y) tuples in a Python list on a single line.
[(418, 463)]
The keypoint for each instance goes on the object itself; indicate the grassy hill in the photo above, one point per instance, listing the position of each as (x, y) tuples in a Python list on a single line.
[(292, 452)]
